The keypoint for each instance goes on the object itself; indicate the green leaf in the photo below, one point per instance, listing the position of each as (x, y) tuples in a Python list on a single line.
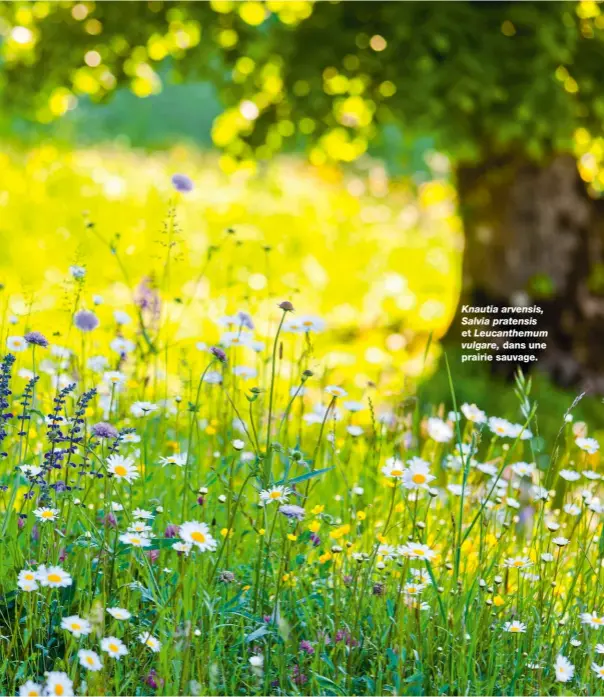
[(305, 477)]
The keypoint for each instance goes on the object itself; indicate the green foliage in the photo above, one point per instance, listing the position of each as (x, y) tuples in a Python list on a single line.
[(330, 76)]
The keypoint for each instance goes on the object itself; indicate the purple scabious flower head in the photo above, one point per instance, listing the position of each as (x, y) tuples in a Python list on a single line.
[(147, 298), (315, 539), (378, 589), (245, 320), (36, 339), (298, 676), (110, 520), (218, 353), (286, 306), (85, 320), (153, 555), (105, 430), (182, 183), (153, 680), (307, 647), (172, 530), (292, 511)]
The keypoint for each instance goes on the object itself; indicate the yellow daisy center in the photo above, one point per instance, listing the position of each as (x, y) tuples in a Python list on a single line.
[(90, 660), (76, 627), (275, 494), (59, 690), (114, 648), (121, 471), (54, 578), (396, 473), (47, 514), (198, 537), (419, 478), (419, 552)]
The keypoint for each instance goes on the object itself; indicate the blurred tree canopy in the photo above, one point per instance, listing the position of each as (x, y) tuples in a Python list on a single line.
[(511, 92), (480, 77)]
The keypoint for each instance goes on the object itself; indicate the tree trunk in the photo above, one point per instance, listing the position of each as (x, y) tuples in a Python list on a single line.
[(533, 235)]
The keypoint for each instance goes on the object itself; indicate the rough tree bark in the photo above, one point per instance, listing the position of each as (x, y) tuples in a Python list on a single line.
[(533, 234)]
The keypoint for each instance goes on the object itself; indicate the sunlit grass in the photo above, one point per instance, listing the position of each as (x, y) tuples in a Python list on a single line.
[(201, 493)]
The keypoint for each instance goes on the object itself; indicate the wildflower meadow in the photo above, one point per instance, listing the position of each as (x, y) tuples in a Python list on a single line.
[(227, 514)]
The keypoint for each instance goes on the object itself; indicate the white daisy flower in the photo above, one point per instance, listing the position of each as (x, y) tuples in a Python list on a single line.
[(119, 613), (245, 372), (27, 580), (414, 550), (335, 391), (30, 689), (121, 317), (417, 475), (473, 413), (230, 339), (122, 346), (149, 640), (131, 438), (589, 445), (58, 684), (140, 527), (500, 427), (523, 469), (76, 625), (439, 430), (46, 515), (308, 323), (353, 406), (16, 344), (142, 514), (135, 539), (564, 669), (514, 627), (197, 534), (122, 468), (178, 459), (517, 562), (569, 475), (90, 660), (275, 493), (394, 468), (592, 619), (140, 409), (114, 377), (114, 647), (598, 670), (184, 547), (53, 577)]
